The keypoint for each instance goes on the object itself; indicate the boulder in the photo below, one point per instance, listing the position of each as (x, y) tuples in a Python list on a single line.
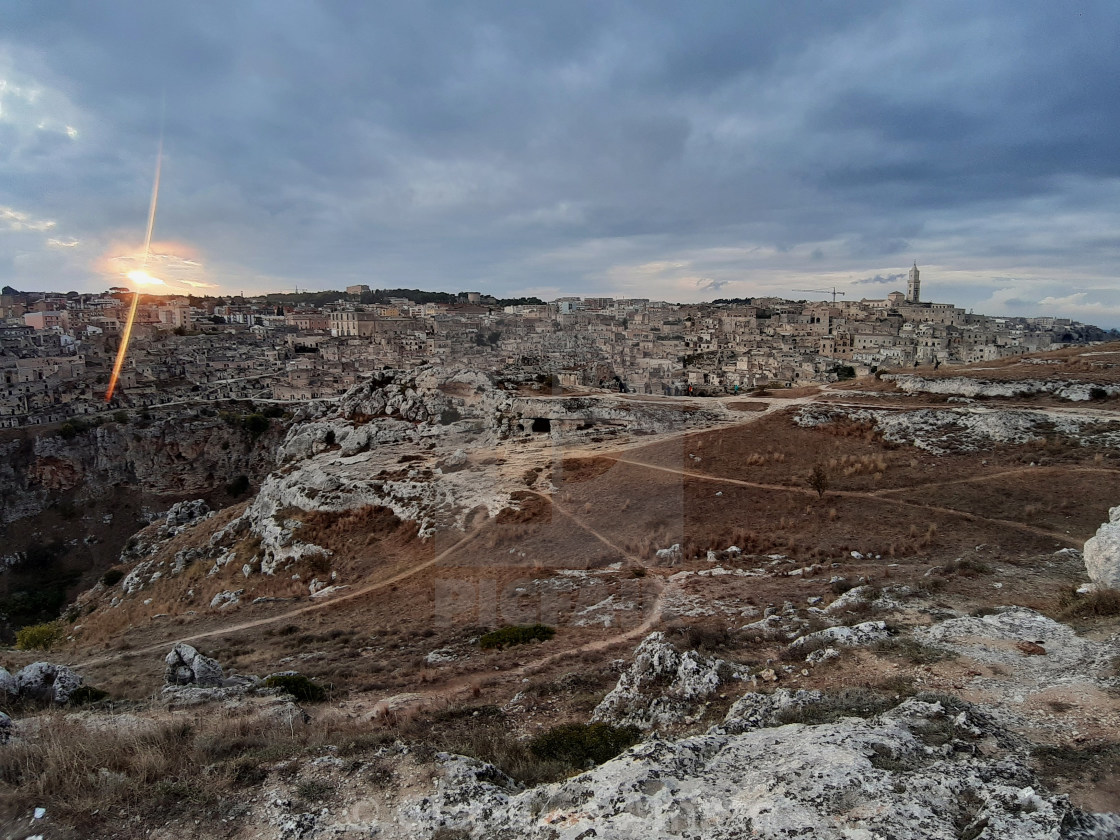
[(1102, 552), (183, 513), (758, 711), (858, 635), (47, 683), (671, 555), (228, 598), (5, 728), (663, 686), (9, 687), (186, 666)]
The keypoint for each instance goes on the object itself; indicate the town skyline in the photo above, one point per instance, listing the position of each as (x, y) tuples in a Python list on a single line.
[(579, 149)]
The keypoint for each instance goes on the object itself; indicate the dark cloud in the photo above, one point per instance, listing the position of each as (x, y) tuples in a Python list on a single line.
[(461, 145), (707, 284), (889, 279)]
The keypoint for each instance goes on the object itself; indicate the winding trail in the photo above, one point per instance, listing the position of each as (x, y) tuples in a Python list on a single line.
[(313, 607), (859, 494), (618, 452), (599, 644)]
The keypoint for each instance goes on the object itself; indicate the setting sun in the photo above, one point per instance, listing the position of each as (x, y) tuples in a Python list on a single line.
[(143, 278)]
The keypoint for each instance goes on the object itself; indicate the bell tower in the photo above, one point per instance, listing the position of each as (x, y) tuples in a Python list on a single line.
[(913, 285)]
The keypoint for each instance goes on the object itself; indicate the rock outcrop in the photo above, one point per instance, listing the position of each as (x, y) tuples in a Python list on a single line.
[(912, 773), (663, 686), (1102, 552), (186, 666), (1035, 652), (967, 386), (858, 635), (967, 429), (174, 456), (45, 682)]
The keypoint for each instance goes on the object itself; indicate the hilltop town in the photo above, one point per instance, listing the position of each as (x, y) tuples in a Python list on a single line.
[(57, 350)]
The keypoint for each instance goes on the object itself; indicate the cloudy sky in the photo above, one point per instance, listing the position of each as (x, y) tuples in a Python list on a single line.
[(666, 150)]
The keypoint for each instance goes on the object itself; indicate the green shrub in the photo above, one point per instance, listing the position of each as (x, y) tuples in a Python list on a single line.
[(255, 424), (581, 744), (449, 416), (297, 685), (314, 790), (67, 431), (516, 635), (328, 438), (39, 636), (120, 417), (112, 577)]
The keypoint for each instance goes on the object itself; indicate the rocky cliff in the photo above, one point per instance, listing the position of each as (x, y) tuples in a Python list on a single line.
[(173, 457)]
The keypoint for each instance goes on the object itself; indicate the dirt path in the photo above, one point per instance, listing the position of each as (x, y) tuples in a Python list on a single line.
[(860, 494), (739, 419), (599, 644), (260, 622), (734, 419), (979, 479), (464, 687)]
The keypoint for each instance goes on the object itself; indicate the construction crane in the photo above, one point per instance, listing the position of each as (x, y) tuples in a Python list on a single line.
[(831, 291)]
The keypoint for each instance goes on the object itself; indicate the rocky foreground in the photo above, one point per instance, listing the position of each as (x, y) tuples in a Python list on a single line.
[(725, 749), (921, 770), (781, 763)]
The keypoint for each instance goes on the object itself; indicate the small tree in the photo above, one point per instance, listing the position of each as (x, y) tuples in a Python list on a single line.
[(818, 480)]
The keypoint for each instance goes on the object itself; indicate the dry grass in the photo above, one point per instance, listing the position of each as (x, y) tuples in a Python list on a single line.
[(1097, 603), (848, 465), (92, 773)]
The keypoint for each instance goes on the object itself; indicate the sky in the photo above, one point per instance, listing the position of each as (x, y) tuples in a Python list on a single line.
[(673, 151)]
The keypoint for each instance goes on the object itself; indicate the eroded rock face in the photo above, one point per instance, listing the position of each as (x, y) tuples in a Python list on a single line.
[(967, 429), (663, 686), (1102, 552), (47, 683), (169, 457), (909, 774), (965, 386), (186, 666)]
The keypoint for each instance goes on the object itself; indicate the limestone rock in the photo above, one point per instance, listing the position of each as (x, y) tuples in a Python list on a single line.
[(855, 779), (756, 711), (969, 429), (1071, 661), (9, 686), (183, 513), (46, 682), (186, 666), (226, 598), (858, 635), (662, 686), (1102, 552)]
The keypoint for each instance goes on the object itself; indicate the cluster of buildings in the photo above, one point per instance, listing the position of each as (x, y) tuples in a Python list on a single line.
[(57, 351)]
